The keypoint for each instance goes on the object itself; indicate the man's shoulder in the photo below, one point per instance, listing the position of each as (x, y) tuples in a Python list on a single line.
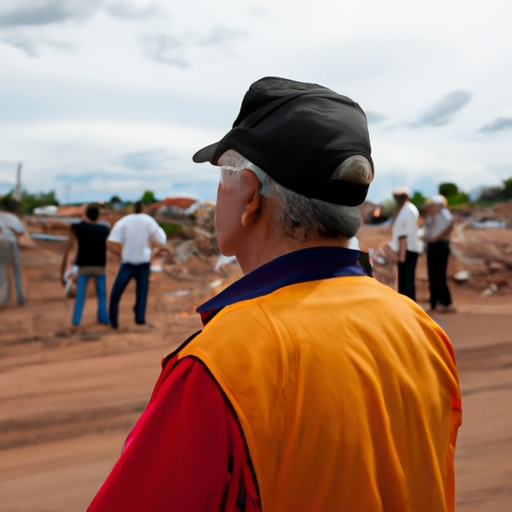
[(291, 301), (147, 218), (361, 305), (447, 214), (408, 214), (11, 221), (127, 221), (138, 218), (103, 228), (146, 222), (76, 225), (9, 217), (90, 228), (412, 208)]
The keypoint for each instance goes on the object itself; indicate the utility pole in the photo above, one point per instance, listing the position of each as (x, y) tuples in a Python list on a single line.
[(16, 195)]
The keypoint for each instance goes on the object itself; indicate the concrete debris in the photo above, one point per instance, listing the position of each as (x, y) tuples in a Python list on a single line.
[(177, 293), (489, 291), (223, 260), (461, 277)]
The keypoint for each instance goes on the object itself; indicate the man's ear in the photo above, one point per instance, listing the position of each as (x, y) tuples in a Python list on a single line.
[(252, 196)]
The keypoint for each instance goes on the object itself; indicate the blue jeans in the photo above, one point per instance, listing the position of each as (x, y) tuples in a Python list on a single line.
[(81, 294), (126, 272), (17, 274)]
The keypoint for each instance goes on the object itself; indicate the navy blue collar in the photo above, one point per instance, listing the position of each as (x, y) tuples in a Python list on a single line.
[(296, 267)]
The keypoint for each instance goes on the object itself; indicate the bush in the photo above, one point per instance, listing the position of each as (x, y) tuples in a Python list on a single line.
[(171, 229), (448, 189), (459, 198), (418, 199), (493, 194), (29, 202), (148, 197)]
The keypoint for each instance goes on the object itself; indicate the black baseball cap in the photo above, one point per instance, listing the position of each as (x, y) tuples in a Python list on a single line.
[(300, 134)]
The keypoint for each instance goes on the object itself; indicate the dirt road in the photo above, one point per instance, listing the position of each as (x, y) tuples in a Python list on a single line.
[(68, 401)]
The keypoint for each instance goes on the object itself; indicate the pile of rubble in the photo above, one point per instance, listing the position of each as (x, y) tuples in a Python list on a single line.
[(482, 243)]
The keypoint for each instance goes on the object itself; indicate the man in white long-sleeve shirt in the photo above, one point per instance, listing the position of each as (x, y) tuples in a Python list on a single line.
[(131, 238)]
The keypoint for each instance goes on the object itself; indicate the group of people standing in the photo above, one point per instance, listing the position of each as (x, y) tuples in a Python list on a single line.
[(408, 245), (131, 238)]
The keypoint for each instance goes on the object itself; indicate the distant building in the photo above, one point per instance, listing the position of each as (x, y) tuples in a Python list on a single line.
[(46, 210), (172, 202)]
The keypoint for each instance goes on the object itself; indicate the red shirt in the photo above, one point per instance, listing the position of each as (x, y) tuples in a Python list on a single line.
[(185, 453)]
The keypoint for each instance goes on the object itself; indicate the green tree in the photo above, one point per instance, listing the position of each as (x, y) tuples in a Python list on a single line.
[(453, 194), (418, 199), (6, 201), (490, 194), (448, 189), (29, 202), (507, 189), (148, 197), (494, 194), (459, 198)]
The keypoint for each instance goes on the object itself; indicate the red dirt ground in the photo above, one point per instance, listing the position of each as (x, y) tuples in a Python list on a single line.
[(69, 400)]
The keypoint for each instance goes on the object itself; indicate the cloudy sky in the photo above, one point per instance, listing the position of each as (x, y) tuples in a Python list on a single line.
[(104, 97)]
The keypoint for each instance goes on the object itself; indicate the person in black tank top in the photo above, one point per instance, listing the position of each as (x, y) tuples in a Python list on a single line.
[(90, 238)]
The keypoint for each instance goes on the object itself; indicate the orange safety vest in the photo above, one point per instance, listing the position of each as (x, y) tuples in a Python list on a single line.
[(346, 393)]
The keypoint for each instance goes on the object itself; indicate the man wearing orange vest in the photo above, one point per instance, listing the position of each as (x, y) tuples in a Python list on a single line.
[(312, 387)]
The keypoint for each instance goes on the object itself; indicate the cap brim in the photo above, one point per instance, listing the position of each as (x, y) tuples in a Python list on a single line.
[(205, 154)]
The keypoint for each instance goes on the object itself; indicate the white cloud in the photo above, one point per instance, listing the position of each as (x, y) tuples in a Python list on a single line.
[(19, 13), (499, 124), (444, 110), (128, 11), (86, 83)]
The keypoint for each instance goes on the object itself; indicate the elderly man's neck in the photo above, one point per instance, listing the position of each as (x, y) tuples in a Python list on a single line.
[(257, 253)]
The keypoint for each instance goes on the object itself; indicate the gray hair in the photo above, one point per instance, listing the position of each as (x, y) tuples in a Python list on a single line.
[(297, 216)]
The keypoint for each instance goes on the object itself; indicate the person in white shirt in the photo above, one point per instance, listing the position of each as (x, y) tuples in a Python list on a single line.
[(406, 242), (438, 225), (12, 229), (131, 238)]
